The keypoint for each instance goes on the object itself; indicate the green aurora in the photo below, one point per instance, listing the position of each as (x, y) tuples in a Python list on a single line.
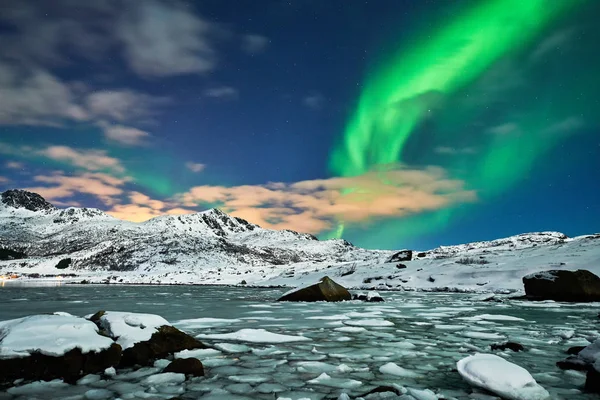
[(448, 89)]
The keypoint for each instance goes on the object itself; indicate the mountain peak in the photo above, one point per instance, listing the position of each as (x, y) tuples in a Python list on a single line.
[(17, 198)]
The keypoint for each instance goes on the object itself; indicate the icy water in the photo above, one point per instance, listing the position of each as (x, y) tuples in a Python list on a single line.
[(341, 347)]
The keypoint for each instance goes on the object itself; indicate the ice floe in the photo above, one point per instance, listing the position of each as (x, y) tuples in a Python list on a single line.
[(501, 377)]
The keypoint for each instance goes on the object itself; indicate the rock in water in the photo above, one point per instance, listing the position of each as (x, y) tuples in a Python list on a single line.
[(325, 290), (188, 366), (516, 347), (558, 285), (370, 297), (501, 377), (46, 347), (592, 381), (144, 337)]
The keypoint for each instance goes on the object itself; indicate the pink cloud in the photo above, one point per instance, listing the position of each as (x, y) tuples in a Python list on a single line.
[(62, 187), (316, 205)]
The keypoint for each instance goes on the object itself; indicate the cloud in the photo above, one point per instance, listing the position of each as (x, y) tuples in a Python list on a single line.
[(91, 160), (163, 38), (194, 167), (4, 180), (14, 165), (61, 187), (142, 208), (454, 150), (125, 135), (253, 44), (315, 205), (315, 101), (504, 129), (566, 125), (122, 104), (157, 37), (552, 43), (35, 97), (222, 92)]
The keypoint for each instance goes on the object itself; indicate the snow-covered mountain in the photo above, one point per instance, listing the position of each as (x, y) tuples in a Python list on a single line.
[(212, 247)]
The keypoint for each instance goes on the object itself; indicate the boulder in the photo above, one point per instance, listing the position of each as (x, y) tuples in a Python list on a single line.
[(584, 360), (575, 350), (325, 290), (592, 380), (404, 255), (46, 347), (559, 285), (516, 347), (187, 366), (143, 337), (400, 266)]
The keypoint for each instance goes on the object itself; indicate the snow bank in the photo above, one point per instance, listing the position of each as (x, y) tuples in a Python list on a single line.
[(130, 328), (51, 335), (501, 377)]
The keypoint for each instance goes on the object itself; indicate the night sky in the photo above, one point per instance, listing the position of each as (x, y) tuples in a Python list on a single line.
[(392, 124)]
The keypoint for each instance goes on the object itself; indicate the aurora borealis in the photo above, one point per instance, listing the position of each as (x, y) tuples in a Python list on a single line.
[(389, 123)]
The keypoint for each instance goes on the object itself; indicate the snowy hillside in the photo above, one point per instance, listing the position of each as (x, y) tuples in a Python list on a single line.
[(212, 247)]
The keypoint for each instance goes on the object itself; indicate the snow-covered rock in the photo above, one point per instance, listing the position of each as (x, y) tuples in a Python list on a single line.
[(45, 347), (130, 328), (507, 380), (50, 335)]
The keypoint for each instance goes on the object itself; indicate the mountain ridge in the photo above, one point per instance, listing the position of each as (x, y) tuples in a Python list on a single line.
[(212, 247)]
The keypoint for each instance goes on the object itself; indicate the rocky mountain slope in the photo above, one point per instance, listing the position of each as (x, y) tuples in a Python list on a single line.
[(211, 247)]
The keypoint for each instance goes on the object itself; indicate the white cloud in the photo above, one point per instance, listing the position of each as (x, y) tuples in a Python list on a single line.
[(91, 160), (122, 104), (163, 38), (14, 165), (125, 135), (315, 101), (195, 167), (35, 97), (504, 129), (253, 44), (566, 125), (157, 37), (222, 92)]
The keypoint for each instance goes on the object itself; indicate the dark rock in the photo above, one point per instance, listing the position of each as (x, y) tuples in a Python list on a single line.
[(8, 254), (508, 345), (575, 350), (574, 363), (27, 200), (404, 255), (325, 290), (400, 266), (165, 341), (243, 282), (383, 389), (371, 297), (592, 381), (421, 254), (64, 263), (188, 366), (69, 367), (558, 285), (431, 279)]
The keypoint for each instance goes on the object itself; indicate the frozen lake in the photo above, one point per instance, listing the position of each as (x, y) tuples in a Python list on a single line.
[(348, 347)]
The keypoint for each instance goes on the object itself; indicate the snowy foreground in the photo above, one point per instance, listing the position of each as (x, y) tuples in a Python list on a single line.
[(427, 346), (214, 248)]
